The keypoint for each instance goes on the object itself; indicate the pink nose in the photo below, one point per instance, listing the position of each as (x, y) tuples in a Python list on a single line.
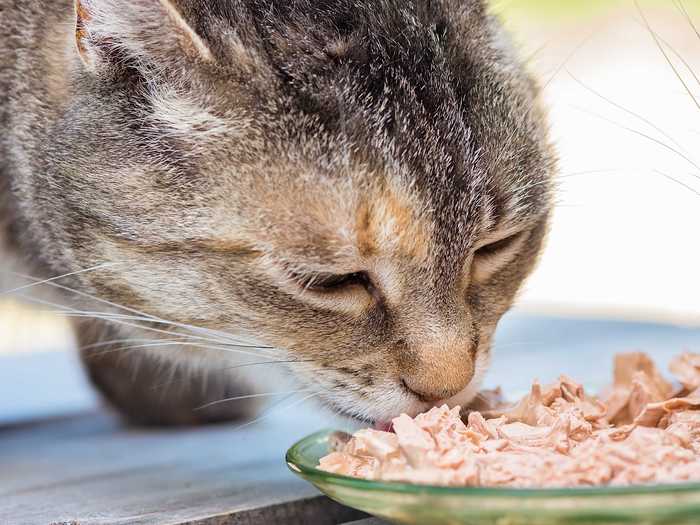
[(438, 379)]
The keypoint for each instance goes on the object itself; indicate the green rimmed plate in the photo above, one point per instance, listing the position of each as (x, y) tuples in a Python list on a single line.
[(425, 505)]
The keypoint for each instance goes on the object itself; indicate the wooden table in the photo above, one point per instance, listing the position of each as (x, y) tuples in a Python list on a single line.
[(64, 461), (91, 470)]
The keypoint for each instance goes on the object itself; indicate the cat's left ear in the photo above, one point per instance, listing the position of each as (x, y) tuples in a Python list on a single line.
[(153, 32)]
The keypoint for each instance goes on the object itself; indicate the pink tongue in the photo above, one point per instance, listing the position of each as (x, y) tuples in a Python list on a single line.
[(384, 426)]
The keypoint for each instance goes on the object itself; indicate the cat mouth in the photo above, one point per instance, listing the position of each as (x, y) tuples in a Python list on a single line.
[(383, 426)]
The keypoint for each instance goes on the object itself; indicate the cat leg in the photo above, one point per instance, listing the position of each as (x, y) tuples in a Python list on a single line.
[(147, 389)]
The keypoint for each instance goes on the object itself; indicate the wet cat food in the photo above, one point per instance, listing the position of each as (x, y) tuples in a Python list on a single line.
[(643, 429)]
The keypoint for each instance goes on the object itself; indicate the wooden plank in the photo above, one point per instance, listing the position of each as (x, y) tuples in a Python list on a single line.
[(91, 470), (318, 511)]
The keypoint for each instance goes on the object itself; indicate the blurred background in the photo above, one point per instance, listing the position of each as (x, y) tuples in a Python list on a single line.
[(624, 245), (625, 240)]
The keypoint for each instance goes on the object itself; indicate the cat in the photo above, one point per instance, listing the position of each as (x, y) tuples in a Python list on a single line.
[(363, 185)]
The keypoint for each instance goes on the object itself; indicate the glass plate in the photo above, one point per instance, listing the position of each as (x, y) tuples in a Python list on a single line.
[(426, 505)]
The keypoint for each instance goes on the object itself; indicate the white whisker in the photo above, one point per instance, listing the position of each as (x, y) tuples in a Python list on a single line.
[(61, 310), (644, 135), (679, 182), (628, 111), (115, 341), (221, 335), (526, 187), (123, 317), (56, 278), (249, 396), (267, 413), (236, 367), (666, 57), (678, 56), (178, 343)]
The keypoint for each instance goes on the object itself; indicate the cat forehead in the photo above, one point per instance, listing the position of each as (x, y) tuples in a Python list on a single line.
[(353, 214), (457, 157), (323, 196)]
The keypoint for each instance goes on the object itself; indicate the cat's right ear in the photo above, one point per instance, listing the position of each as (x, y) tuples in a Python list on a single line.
[(111, 33)]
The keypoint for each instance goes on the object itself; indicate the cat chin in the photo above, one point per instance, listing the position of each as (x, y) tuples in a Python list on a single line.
[(382, 404), (380, 413), (376, 410)]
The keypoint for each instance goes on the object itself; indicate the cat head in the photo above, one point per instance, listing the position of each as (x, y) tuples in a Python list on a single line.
[(364, 184)]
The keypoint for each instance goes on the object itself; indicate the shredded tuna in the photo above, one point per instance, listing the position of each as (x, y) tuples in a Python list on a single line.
[(642, 430), (686, 368)]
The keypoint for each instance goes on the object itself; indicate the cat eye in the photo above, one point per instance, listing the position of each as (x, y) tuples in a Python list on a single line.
[(497, 247), (333, 282), (491, 257)]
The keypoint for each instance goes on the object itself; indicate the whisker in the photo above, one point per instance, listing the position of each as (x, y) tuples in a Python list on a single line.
[(173, 343), (556, 72), (663, 52), (158, 321), (114, 341), (111, 319), (123, 320), (678, 56), (236, 367), (644, 135), (221, 335), (267, 413), (587, 172), (533, 54), (683, 10), (176, 343), (628, 111), (679, 182), (526, 187), (567, 59), (56, 278), (249, 396)]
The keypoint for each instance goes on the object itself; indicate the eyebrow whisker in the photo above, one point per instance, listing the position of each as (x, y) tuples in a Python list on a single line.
[(644, 135), (628, 111), (663, 52), (679, 182)]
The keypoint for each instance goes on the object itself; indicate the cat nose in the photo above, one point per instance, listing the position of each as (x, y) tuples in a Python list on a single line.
[(429, 393), (427, 397), (439, 379)]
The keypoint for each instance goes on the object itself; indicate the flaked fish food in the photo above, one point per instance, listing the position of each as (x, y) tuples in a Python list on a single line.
[(642, 430)]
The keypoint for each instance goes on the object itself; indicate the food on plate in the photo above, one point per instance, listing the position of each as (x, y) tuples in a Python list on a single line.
[(644, 429)]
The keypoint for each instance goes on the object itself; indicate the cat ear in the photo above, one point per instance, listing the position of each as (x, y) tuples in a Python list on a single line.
[(109, 33)]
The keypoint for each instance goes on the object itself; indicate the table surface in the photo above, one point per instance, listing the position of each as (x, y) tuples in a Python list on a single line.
[(63, 460), (92, 470)]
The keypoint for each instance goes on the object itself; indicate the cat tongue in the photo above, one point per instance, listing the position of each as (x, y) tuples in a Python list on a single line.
[(384, 426)]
